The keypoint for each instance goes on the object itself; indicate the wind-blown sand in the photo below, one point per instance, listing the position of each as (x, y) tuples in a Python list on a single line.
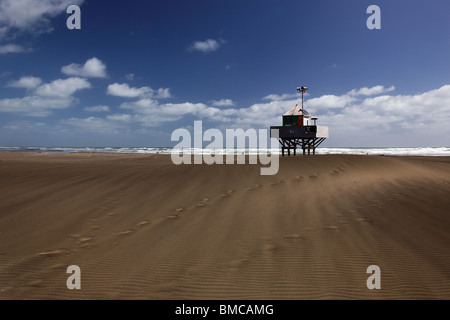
[(140, 227)]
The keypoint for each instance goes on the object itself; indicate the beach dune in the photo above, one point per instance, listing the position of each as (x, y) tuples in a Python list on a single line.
[(140, 227)]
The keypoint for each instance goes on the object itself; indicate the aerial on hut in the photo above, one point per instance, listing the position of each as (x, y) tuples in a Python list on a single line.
[(299, 129)]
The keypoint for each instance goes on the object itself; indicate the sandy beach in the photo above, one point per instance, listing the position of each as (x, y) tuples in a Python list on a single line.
[(140, 227)]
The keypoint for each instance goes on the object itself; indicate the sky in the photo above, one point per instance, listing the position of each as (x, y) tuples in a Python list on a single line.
[(138, 70)]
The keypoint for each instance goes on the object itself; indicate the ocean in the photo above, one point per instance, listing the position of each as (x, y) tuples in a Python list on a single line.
[(412, 151)]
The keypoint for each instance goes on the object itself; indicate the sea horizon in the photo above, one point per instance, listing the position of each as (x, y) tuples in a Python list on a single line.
[(400, 151)]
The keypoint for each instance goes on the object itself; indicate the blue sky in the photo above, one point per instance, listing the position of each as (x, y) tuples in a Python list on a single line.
[(137, 70)]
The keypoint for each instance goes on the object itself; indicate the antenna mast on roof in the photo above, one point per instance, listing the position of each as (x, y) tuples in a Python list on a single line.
[(302, 90)]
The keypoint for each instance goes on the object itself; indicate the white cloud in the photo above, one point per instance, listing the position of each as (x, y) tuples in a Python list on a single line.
[(92, 68), (150, 113), (350, 116), (28, 82), (223, 103), (162, 93), (275, 97), (124, 90), (365, 118), (97, 109), (124, 117), (45, 98), (94, 125), (34, 106), (11, 48), (392, 119), (330, 102), (63, 87), (31, 15), (371, 91), (206, 46), (149, 106), (24, 126)]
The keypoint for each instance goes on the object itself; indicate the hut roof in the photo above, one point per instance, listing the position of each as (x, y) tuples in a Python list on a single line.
[(297, 111)]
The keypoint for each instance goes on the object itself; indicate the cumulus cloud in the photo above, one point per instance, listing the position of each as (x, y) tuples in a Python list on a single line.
[(94, 125), (124, 90), (97, 109), (150, 113), (45, 98), (350, 114), (124, 117), (417, 118), (365, 116), (31, 15), (370, 91), (274, 97), (209, 45), (223, 103), (11, 48), (34, 106), (62, 87), (27, 82), (162, 93), (92, 68), (330, 101)]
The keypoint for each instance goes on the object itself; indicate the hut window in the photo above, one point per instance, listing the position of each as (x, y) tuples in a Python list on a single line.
[(287, 121)]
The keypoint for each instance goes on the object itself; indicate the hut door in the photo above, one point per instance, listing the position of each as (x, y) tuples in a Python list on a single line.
[(294, 121)]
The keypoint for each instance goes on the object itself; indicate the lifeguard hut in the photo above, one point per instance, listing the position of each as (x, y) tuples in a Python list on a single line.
[(299, 129)]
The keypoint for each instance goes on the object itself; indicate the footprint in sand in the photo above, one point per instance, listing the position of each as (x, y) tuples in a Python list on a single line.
[(124, 233), (298, 179), (52, 253), (256, 186), (269, 248), (365, 220), (142, 223), (35, 283), (200, 205), (334, 172), (331, 228), (238, 263), (296, 236), (85, 239), (229, 192)]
